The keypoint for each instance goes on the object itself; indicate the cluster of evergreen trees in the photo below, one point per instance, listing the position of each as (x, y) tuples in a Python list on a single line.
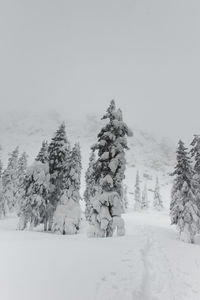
[(141, 198), (48, 191), (185, 196)]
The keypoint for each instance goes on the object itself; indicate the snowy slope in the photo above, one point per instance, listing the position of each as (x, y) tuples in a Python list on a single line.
[(28, 129), (150, 155), (149, 263)]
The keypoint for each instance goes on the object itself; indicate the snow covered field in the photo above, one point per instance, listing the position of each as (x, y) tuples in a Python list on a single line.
[(148, 263)]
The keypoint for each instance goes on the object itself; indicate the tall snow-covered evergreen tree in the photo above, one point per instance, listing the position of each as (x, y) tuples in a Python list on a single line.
[(1, 168), (21, 172), (109, 174), (2, 206), (67, 216), (43, 153), (91, 187), (182, 173), (183, 208), (195, 153), (22, 165), (47, 209), (111, 146), (183, 170), (137, 193), (10, 181), (58, 153), (188, 217), (36, 184), (157, 201), (144, 200)]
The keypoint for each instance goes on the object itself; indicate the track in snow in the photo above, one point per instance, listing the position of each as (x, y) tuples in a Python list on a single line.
[(143, 273), (149, 263)]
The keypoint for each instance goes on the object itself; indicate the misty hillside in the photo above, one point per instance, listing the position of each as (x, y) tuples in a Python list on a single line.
[(28, 130)]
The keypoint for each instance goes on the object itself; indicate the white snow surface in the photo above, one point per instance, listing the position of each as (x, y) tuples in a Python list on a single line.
[(149, 263)]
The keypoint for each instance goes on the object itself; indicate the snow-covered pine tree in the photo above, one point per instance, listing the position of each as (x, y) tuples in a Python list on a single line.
[(43, 153), (91, 188), (137, 193), (58, 152), (183, 208), (22, 165), (195, 153), (67, 216), (182, 173), (1, 168), (47, 209), (109, 175), (21, 172), (157, 201), (10, 181), (188, 218), (2, 207), (36, 184), (144, 201)]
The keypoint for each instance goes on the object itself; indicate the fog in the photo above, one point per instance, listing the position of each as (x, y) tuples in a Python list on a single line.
[(75, 56)]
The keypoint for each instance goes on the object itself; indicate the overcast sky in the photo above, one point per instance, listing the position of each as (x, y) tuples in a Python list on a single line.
[(75, 56)]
